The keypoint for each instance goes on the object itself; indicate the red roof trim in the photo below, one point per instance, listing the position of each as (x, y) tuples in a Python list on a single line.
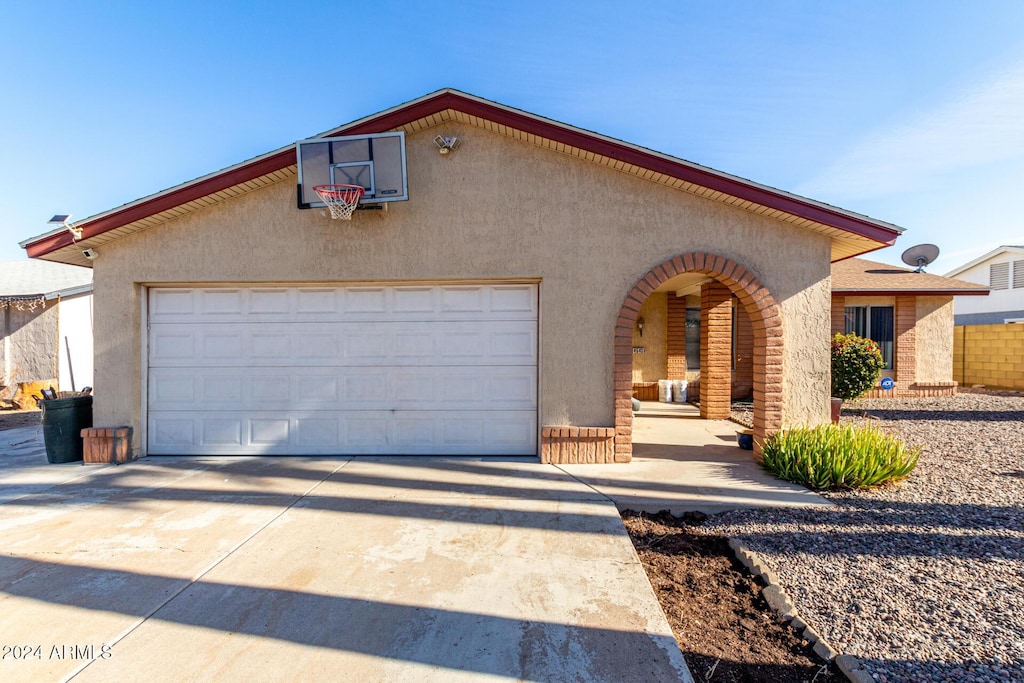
[(164, 202), (910, 292), (450, 100)]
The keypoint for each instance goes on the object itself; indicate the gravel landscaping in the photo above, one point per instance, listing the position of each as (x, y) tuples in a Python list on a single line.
[(923, 581)]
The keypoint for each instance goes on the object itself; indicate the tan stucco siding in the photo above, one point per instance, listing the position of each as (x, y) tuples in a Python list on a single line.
[(495, 208), (807, 355), (934, 339), (652, 364)]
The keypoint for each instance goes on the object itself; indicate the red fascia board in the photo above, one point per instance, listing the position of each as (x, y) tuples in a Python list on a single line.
[(164, 202), (659, 164), (909, 292), (512, 119)]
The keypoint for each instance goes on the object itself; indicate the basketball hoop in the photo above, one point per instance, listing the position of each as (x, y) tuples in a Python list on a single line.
[(342, 200)]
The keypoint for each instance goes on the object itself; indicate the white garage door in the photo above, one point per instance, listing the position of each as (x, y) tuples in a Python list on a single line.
[(449, 369)]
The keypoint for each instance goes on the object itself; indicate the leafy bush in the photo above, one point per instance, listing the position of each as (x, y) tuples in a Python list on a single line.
[(857, 364), (842, 456)]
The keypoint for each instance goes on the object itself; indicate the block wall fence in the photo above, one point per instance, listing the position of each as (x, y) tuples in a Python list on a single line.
[(992, 355)]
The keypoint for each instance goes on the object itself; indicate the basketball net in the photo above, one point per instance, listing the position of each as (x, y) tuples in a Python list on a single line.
[(342, 200)]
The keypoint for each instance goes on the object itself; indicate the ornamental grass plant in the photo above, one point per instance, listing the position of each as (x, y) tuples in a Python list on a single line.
[(838, 456)]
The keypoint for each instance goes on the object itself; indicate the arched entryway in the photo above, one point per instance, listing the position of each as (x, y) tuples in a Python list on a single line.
[(765, 318)]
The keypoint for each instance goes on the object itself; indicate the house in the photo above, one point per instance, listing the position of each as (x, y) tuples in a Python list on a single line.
[(492, 310), (1002, 271), (45, 325), (909, 314)]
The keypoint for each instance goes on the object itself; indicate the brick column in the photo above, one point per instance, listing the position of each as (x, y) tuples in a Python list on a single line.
[(838, 315), (676, 341), (906, 344), (715, 351)]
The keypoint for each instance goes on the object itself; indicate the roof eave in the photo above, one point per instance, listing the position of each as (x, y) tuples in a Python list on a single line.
[(877, 231), (911, 292), (985, 257)]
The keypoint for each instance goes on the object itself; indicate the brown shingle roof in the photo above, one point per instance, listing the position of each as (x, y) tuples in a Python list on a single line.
[(857, 275)]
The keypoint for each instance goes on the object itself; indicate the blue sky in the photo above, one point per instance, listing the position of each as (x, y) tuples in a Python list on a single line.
[(911, 112)]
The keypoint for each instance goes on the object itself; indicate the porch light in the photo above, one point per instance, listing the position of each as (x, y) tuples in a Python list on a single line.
[(640, 325)]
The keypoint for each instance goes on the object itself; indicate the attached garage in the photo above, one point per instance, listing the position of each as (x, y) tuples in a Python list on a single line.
[(368, 369)]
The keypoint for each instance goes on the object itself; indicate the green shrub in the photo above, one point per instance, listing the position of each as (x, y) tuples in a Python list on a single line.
[(857, 364), (842, 456)]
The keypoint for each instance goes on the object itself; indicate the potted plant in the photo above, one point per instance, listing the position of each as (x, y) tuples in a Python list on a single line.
[(857, 364)]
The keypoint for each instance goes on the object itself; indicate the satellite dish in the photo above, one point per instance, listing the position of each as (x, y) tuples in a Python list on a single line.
[(920, 256)]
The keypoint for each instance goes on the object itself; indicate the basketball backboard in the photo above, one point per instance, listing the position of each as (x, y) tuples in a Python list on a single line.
[(376, 162)]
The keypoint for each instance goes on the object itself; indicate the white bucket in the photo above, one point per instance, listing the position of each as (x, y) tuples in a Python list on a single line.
[(665, 390), (679, 391)]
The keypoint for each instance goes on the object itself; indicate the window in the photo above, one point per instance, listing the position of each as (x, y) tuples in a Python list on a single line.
[(873, 322), (999, 275), (693, 338), (1018, 274)]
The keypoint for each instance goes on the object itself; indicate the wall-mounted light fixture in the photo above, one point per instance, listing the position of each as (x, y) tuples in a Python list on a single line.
[(446, 143), (640, 326)]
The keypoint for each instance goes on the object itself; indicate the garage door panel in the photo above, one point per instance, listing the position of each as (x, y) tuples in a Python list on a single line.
[(373, 388), (353, 433), (374, 369), (355, 303), (269, 301), (321, 344)]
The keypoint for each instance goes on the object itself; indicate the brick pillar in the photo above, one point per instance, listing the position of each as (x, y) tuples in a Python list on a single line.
[(715, 351), (838, 315), (906, 344), (676, 342)]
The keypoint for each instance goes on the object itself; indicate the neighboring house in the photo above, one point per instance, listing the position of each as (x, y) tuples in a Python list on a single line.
[(493, 312), (909, 314), (45, 324), (1002, 271)]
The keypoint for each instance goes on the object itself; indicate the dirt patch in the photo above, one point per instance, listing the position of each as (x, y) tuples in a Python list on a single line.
[(726, 630), (12, 419)]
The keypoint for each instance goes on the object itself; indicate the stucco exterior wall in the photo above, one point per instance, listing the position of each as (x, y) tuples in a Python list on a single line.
[(31, 344), (587, 233), (652, 364), (934, 339)]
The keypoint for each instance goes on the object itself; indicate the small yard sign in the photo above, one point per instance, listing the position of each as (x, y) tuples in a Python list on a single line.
[(888, 383)]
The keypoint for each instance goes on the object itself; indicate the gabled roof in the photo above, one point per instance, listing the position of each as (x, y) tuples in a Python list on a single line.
[(42, 280), (1005, 249), (851, 233), (857, 276)]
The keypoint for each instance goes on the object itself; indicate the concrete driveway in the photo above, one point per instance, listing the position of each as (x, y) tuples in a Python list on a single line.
[(318, 568)]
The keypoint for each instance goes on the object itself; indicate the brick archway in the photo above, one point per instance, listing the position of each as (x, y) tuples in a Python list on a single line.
[(765, 318)]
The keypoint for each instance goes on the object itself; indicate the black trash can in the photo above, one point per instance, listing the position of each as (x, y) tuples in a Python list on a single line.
[(63, 422)]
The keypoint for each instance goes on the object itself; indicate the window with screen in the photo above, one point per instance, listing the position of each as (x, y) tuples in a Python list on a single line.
[(1018, 274), (875, 323)]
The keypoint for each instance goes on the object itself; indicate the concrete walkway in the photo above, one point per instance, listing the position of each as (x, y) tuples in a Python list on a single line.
[(359, 569), (682, 463)]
